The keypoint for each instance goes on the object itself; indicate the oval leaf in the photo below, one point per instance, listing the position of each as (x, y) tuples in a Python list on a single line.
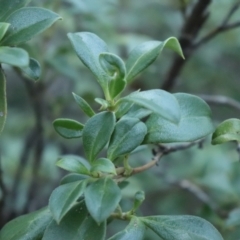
[(26, 23), (128, 134), (137, 112), (102, 198), (146, 53), (158, 101), (69, 227), (88, 47), (29, 226), (68, 128), (103, 165), (72, 165), (83, 105), (3, 100), (14, 56), (134, 230), (228, 130), (33, 70), (115, 68), (9, 6), (3, 29), (182, 228), (72, 177), (195, 122), (90, 230), (64, 197), (97, 132)]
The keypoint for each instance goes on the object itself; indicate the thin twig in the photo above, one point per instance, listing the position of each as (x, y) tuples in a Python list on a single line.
[(221, 100), (189, 34)]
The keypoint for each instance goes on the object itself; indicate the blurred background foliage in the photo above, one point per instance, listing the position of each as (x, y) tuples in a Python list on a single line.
[(203, 180)]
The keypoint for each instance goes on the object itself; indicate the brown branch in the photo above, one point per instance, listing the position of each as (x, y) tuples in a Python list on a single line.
[(162, 150), (189, 32), (35, 92)]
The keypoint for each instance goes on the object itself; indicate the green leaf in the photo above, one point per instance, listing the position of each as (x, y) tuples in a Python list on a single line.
[(158, 101), (104, 104), (233, 219), (88, 47), (83, 105), (123, 108), (3, 29), (26, 23), (70, 225), (146, 53), (102, 198), (182, 228), (229, 130), (73, 164), (116, 70), (135, 230), (96, 133), (127, 135), (137, 112), (103, 165), (90, 230), (14, 56), (3, 100), (26, 227), (33, 70), (9, 6), (72, 177), (195, 122), (64, 197), (68, 128)]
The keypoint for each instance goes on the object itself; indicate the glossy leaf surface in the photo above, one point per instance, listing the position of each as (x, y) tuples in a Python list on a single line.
[(90, 230), (102, 198), (70, 225), (33, 70), (146, 53), (26, 23), (229, 130), (103, 165), (16, 57), (26, 227), (73, 164), (84, 105), (182, 228), (128, 134), (88, 47), (134, 230), (158, 101), (115, 69), (64, 197), (3, 29), (72, 177), (68, 128), (195, 122), (3, 100), (97, 132)]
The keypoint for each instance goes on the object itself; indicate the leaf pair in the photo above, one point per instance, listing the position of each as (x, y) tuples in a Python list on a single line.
[(101, 198), (109, 69), (169, 228)]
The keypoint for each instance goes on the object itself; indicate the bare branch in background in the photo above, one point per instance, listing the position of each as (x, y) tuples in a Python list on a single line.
[(189, 33), (221, 100), (224, 26)]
